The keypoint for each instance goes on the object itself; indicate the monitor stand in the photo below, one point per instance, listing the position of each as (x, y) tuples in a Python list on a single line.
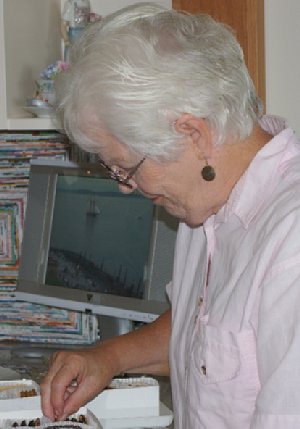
[(112, 326)]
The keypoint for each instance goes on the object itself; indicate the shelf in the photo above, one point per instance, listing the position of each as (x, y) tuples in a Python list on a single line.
[(30, 124)]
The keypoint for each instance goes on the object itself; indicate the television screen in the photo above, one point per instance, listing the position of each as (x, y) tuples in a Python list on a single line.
[(100, 238)]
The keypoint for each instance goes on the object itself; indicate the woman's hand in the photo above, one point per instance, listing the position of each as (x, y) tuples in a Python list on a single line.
[(74, 378)]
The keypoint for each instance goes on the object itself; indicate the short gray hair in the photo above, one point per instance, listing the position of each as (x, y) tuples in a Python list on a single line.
[(138, 70)]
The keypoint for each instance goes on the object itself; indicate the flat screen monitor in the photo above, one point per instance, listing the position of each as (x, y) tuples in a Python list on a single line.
[(88, 247)]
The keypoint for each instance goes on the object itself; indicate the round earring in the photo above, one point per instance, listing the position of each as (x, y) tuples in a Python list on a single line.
[(208, 173)]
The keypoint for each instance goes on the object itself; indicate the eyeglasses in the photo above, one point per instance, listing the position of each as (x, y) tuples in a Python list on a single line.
[(119, 174)]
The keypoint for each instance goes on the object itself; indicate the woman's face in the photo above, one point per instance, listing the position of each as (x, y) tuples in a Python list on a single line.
[(176, 185)]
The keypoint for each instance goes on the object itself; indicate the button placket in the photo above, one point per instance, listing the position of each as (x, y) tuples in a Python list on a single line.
[(210, 237)]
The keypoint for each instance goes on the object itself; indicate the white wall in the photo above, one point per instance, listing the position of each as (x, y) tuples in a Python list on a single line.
[(282, 48)]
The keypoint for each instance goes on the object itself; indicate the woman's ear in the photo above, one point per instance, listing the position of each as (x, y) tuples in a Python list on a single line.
[(199, 132)]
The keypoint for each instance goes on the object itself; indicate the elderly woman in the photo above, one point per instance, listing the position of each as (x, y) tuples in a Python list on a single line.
[(164, 98)]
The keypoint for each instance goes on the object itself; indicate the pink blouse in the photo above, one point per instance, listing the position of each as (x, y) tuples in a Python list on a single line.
[(235, 346)]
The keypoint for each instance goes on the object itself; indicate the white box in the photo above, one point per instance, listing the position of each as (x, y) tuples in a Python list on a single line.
[(128, 397), (12, 405)]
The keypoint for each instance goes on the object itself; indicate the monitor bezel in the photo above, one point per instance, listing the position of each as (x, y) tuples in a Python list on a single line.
[(35, 246)]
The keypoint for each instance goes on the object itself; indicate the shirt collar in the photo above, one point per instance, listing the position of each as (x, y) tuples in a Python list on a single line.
[(263, 173)]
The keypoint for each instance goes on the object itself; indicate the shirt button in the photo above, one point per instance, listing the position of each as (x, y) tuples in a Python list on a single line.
[(203, 369)]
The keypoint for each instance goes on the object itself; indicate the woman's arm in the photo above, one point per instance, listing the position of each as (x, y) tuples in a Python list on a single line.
[(76, 377)]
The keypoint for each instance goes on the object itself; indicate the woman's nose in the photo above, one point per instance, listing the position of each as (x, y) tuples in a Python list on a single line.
[(128, 189)]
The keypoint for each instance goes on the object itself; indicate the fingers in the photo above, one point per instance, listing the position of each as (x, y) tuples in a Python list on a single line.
[(73, 379), (57, 388), (75, 397), (46, 405)]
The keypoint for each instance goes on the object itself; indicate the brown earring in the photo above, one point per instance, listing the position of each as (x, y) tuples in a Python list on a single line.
[(208, 173)]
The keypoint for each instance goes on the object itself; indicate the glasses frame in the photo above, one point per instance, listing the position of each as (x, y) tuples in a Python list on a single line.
[(119, 174)]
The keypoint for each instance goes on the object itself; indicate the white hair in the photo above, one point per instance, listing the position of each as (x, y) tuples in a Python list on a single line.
[(138, 70)]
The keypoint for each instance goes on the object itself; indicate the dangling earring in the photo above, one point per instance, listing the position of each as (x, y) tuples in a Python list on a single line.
[(208, 173)]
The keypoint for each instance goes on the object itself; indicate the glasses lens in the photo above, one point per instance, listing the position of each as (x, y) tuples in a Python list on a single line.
[(121, 176)]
